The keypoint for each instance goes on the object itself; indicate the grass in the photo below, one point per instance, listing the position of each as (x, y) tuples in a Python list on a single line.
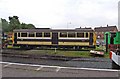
[(59, 53), (63, 52), (100, 48), (106, 55), (73, 53)]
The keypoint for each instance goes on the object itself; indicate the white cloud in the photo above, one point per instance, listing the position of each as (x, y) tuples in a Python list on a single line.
[(58, 13)]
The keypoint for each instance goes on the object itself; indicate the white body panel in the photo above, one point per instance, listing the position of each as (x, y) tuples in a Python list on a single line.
[(116, 58)]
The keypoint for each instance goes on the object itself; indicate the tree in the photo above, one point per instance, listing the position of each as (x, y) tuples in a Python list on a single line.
[(27, 26), (14, 23), (23, 26), (30, 26), (5, 25)]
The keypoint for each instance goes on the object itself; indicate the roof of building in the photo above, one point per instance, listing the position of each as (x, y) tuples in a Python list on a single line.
[(105, 29)]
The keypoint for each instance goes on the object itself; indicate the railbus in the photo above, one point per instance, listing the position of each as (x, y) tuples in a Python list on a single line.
[(59, 38)]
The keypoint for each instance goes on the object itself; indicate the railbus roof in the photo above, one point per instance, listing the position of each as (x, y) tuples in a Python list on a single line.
[(54, 30)]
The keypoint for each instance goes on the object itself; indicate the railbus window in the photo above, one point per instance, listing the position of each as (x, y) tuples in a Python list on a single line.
[(38, 34), (71, 34), (18, 34), (63, 34), (80, 34), (23, 34), (46, 34), (86, 34), (31, 34)]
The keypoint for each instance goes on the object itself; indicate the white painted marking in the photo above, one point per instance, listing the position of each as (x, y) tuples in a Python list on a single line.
[(100, 69), (39, 68), (58, 67), (7, 65)]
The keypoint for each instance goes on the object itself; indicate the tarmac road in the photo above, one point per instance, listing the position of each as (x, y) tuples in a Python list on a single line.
[(10, 70), (17, 70), (104, 64), (101, 63)]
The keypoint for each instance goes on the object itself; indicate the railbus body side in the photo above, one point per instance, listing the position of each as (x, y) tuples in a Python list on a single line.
[(54, 38)]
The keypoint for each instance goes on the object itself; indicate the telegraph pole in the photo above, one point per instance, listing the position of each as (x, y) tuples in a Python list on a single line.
[(68, 24)]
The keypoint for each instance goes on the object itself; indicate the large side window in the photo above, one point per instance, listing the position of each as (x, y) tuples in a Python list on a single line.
[(18, 34), (23, 34), (31, 35), (38, 34), (80, 34), (46, 34), (63, 34), (86, 34), (71, 34)]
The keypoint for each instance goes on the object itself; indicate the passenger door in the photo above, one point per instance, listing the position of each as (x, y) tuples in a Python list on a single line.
[(15, 38), (55, 38), (91, 39)]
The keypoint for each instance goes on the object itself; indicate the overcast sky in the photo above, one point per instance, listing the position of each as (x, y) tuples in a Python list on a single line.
[(62, 13)]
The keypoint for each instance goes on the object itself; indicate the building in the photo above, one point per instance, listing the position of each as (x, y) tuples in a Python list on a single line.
[(101, 30)]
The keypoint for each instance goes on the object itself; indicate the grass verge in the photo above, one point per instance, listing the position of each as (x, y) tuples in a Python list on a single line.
[(62, 53)]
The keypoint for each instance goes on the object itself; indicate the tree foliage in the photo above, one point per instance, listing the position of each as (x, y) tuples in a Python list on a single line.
[(30, 26), (5, 25), (27, 26), (14, 23)]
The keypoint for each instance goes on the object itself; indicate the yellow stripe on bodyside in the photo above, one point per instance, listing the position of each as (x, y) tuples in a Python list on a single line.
[(74, 43), (13, 38), (33, 43)]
